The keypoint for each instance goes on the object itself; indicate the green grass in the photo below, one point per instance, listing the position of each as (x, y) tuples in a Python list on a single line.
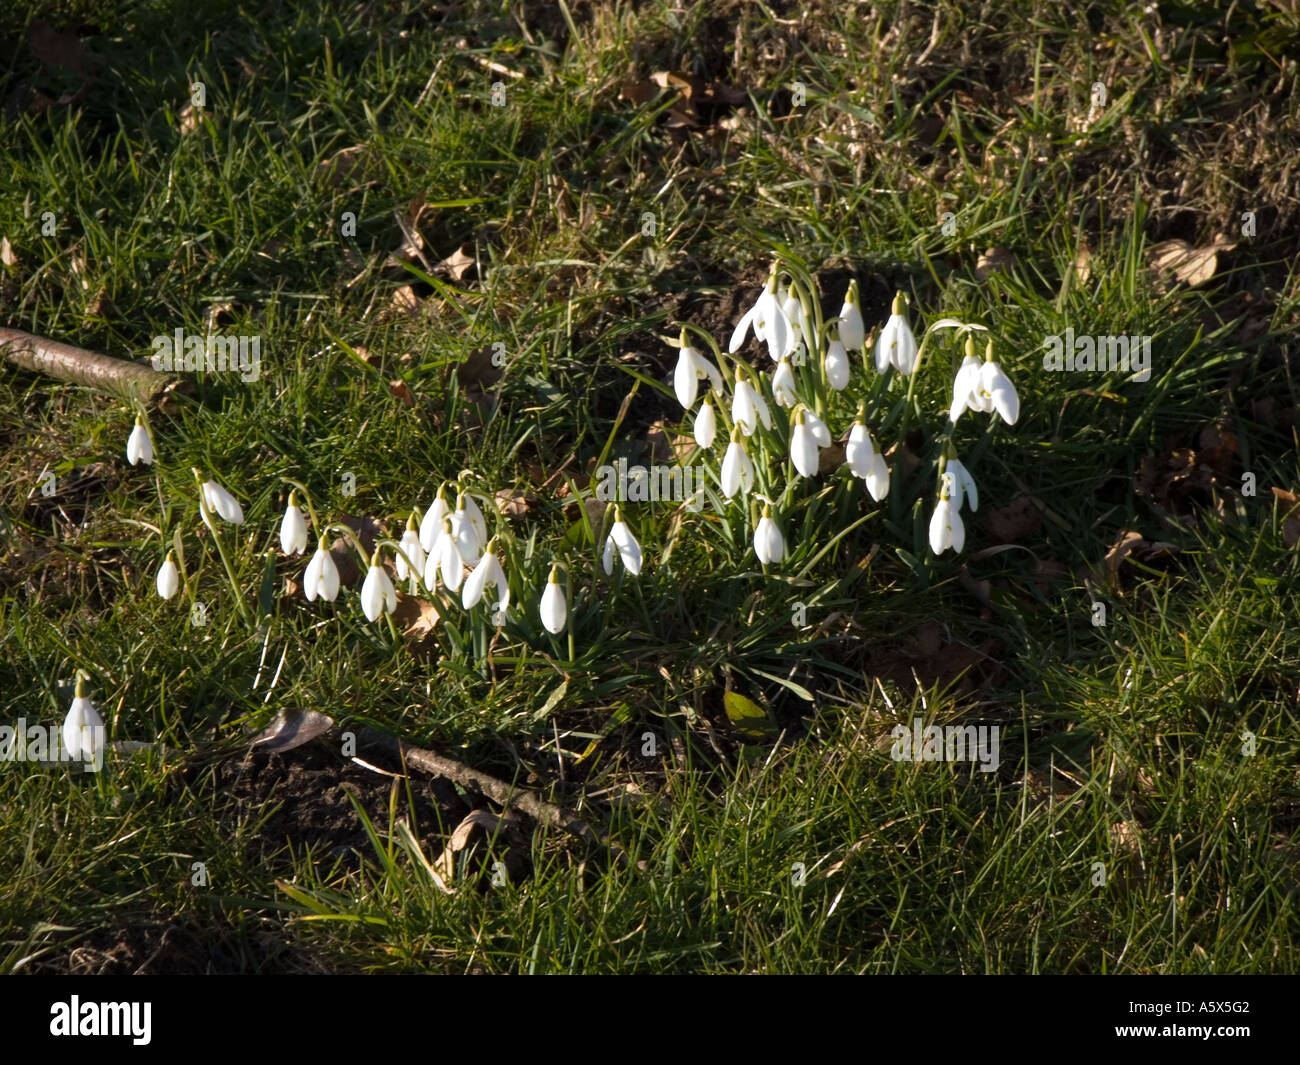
[(810, 849)]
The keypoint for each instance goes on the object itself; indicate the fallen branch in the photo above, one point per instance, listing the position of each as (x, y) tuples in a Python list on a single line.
[(128, 380), (504, 794)]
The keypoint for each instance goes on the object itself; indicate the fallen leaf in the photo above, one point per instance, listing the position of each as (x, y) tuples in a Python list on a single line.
[(400, 389), (403, 302), (1192, 266), (292, 727), (993, 260), (515, 504), (479, 371), (459, 263)]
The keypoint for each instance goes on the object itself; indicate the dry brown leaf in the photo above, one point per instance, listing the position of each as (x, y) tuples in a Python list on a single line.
[(189, 118), (403, 302), (400, 389), (417, 618), (515, 504), (478, 371), (1192, 266), (459, 263), (346, 164), (993, 260)]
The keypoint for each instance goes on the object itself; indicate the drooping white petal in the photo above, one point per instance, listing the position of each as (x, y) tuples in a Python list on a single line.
[(941, 527), (293, 531), (706, 425), (686, 381), (837, 365), (859, 450), (737, 470), (450, 564), (322, 576), (410, 545), (783, 384), (467, 541), (966, 490), (488, 571), (769, 544), (776, 331), (803, 449), (820, 433), (853, 333), (83, 730), (553, 608), (378, 595), (169, 579), (139, 448), (629, 551), (1003, 394), (950, 487), (476, 519), (964, 386), (742, 328), (431, 526), (221, 501), (748, 408), (878, 477)]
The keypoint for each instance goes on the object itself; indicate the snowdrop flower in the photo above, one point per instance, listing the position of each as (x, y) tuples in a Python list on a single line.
[(431, 526), (737, 469), (322, 576), (621, 539), (861, 456), (836, 365), (783, 384), (771, 326), (222, 502), (691, 368), (488, 571), (748, 408), (465, 502), (793, 311), (896, 345), (962, 485), (706, 425), (83, 728), (810, 434), (293, 528), (997, 388), (378, 596), (553, 608), (169, 578), (853, 333), (946, 529), (412, 549), (466, 532), (769, 544), (965, 386), (139, 448), (444, 560)]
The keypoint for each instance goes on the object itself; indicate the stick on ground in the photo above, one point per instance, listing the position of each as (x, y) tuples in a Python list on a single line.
[(120, 377)]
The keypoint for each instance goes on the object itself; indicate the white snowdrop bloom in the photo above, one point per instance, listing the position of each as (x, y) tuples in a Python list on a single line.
[(488, 571), (466, 503), (169, 578), (223, 503), (83, 728), (859, 449), (378, 596), (963, 490), (784, 384), (692, 367), (431, 526), (444, 560), (553, 607), (946, 529), (293, 528), (804, 442), (997, 387), (706, 425), (878, 477), (748, 408), (467, 538), (139, 447), (771, 326), (769, 544), (737, 468), (410, 548), (620, 539), (896, 345), (322, 576), (836, 365), (853, 332)]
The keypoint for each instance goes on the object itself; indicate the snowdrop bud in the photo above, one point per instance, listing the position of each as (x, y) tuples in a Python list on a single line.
[(410, 548), (378, 596), (878, 477), (803, 446), (737, 469), (83, 728), (853, 333), (706, 425), (222, 502), (837, 366), (858, 450), (553, 608), (293, 528), (783, 384), (169, 578), (139, 448), (431, 526), (769, 544), (322, 576)]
